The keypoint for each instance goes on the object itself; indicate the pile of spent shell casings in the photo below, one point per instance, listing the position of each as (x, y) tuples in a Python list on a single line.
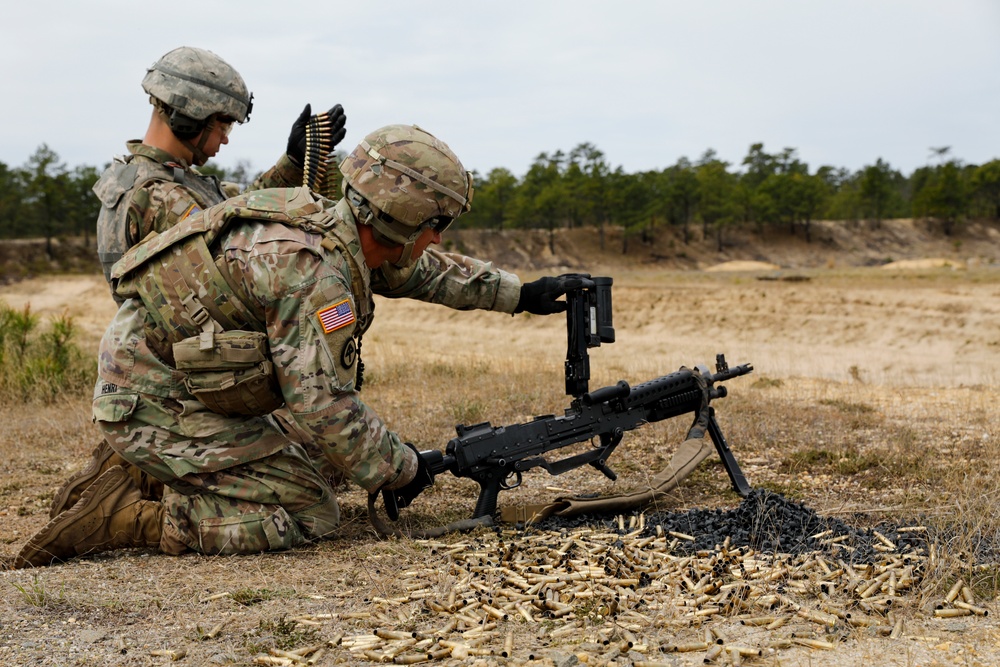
[(617, 593)]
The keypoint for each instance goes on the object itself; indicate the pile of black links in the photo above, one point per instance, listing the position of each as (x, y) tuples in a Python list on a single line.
[(766, 522)]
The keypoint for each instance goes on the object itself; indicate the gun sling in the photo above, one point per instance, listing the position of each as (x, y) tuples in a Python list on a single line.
[(691, 452)]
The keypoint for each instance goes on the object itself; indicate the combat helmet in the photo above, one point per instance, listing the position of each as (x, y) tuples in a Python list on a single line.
[(401, 179), (193, 84)]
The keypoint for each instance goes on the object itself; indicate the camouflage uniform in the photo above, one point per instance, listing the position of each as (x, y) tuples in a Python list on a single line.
[(238, 484), (148, 190)]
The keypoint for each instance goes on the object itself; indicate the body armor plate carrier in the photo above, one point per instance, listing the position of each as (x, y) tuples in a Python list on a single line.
[(128, 175), (199, 320)]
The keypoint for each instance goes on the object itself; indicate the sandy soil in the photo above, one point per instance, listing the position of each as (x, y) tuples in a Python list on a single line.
[(929, 325), (86, 299), (931, 328)]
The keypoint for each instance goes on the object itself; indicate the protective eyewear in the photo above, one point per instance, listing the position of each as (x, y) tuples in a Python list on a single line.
[(225, 124), (439, 224)]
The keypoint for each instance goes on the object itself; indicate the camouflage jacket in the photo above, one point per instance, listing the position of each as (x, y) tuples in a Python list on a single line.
[(149, 190), (314, 300)]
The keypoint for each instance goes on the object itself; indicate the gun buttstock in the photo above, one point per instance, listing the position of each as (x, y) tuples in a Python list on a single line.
[(436, 461)]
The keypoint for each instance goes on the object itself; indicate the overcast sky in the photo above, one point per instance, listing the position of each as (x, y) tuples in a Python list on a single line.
[(647, 81)]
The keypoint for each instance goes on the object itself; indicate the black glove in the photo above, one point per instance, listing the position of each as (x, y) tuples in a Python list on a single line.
[(296, 149), (539, 297), (395, 499)]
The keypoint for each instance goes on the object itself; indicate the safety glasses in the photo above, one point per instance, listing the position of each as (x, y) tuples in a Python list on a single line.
[(438, 224), (225, 124)]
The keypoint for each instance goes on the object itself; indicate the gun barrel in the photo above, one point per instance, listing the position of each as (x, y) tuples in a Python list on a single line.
[(671, 386), (732, 372)]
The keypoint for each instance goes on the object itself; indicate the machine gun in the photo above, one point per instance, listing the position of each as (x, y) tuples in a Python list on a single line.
[(496, 457)]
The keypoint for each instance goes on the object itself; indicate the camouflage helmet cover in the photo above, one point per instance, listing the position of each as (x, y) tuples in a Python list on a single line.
[(198, 83), (409, 175)]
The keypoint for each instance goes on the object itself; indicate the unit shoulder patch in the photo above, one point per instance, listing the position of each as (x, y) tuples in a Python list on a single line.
[(349, 354)]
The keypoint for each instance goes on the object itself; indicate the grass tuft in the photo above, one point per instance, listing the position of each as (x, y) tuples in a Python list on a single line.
[(39, 365), (280, 634), (35, 593), (251, 596)]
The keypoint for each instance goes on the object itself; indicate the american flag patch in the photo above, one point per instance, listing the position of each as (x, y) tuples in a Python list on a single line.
[(336, 316), (191, 211)]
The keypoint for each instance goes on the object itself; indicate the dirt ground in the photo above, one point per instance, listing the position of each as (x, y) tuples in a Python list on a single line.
[(919, 344)]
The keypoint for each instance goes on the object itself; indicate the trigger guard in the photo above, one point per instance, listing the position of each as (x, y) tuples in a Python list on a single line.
[(504, 485)]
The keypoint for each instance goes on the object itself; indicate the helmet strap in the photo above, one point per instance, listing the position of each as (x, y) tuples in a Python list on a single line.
[(198, 156), (366, 216), (359, 205), (405, 257), (363, 212)]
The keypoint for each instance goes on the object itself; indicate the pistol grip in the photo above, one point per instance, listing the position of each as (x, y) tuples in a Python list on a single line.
[(391, 506)]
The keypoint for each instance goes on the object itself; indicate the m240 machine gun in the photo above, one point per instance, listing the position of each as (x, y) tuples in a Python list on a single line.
[(496, 457)]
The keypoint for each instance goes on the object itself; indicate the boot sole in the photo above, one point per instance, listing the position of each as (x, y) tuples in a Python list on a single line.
[(110, 480)]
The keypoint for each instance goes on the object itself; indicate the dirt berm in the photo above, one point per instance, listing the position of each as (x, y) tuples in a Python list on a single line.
[(896, 243), (833, 245)]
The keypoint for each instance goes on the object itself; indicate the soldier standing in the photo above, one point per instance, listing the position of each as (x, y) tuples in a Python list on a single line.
[(260, 303)]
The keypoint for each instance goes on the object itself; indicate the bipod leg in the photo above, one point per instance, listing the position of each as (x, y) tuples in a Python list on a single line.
[(740, 484)]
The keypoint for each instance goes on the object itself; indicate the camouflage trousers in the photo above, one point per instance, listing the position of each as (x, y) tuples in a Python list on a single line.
[(245, 489)]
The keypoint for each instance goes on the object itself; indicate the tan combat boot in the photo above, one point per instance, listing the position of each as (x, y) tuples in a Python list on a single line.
[(102, 458), (111, 514)]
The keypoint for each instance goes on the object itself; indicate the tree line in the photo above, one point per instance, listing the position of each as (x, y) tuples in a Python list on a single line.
[(766, 190), (43, 198)]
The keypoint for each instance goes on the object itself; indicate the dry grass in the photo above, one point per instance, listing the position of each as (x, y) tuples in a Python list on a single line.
[(874, 399)]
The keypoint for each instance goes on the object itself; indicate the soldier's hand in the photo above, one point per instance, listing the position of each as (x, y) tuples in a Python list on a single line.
[(540, 297), (336, 118), (396, 499), (331, 127), (296, 149)]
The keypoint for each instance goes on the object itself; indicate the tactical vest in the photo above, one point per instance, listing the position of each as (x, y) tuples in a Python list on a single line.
[(126, 175), (199, 320)]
